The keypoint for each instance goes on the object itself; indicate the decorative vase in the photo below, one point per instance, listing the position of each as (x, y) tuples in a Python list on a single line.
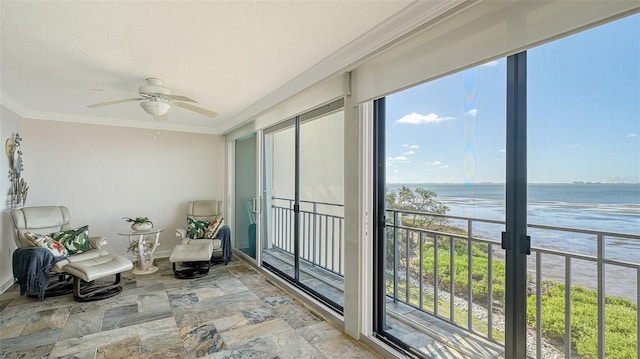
[(141, 226)]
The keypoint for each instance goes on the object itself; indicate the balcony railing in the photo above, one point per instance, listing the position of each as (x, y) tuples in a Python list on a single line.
[(408, 243), (411, 283), (321, 232)]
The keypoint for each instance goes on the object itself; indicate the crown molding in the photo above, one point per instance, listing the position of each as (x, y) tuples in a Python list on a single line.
[(11, 103), (105, 121)]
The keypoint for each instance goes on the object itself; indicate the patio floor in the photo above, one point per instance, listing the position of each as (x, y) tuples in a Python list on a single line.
[(424, 332), (233, 312)]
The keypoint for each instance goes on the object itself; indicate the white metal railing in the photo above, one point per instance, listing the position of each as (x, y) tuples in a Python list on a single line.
[(322, 241), (321, 232), (403, 236)]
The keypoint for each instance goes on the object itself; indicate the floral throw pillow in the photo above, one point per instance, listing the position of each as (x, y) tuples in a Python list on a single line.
[(74, 240), (213, 227), (44, 241), (196, 227)]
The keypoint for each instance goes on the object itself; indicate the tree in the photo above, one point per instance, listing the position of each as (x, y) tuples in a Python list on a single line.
[(420, 200), (426, 210)]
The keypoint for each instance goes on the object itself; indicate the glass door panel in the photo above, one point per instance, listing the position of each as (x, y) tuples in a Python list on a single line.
[(321, 230), (279, 167), (583, 100), (445, 210), (245, 195), (304, 200)]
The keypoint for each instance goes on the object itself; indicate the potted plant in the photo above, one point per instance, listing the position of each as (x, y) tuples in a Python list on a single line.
[(139, 223)]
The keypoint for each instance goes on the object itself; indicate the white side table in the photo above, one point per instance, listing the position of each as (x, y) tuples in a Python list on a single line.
[(146, 248)]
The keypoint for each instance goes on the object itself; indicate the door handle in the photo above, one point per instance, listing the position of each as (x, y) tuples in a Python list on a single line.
[(255, 208)]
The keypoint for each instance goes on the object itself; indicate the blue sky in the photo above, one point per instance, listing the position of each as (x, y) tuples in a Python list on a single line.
[(583, 116)]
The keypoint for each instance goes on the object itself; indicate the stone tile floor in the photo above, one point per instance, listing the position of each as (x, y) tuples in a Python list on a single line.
[(234, 312), (426, 334)]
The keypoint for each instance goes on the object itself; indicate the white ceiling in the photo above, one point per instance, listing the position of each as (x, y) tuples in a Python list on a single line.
[(228, 55)]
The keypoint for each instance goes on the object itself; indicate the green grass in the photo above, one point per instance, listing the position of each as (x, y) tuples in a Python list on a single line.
[(479, 273), (620, 321), (621, 314)]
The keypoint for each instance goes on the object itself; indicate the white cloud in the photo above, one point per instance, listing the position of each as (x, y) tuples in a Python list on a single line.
[(473, 112), (399, 158), (390, 160), (632, 135), (504, 150), (415, 118), (409, 153), (436, 163), (575, 145), (410, 146), (444, 166)]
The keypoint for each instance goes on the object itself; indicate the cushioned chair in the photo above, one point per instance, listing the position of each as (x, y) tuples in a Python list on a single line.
[(82, 268), (199, 244), (206, 211)]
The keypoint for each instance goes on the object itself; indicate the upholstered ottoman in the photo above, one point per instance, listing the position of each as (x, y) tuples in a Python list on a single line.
[(195, 256), (88, 270)]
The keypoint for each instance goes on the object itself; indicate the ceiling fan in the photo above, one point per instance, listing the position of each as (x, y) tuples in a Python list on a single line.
[(157, 100)]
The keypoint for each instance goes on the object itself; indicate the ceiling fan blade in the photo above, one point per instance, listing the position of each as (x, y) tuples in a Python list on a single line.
[(161, 117), (115, 102), (111, 91), (181, 98), (197, 109)]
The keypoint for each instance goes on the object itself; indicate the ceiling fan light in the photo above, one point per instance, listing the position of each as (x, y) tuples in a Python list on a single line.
[(155, 108)]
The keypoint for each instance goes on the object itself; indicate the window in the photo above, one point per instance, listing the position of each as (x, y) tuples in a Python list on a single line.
[(445, 208), (457, 158)]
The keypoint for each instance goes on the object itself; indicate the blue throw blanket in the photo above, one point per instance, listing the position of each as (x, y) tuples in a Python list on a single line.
[(31, 269), (224, 234)]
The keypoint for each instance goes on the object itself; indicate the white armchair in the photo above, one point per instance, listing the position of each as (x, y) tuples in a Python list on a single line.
[(205, 211), (46, 220), (82, 267)]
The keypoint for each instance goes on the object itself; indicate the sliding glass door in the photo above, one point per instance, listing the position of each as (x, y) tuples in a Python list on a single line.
[(321, 229), (304, 201), (507, 204), (245, 195), (442, 149), (279, 198), (583, 193)]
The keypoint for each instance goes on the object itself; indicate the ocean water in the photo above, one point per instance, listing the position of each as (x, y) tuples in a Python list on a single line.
[(592, 206)]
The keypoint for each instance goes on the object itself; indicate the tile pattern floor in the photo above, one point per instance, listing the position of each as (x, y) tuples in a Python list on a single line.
[(234, 312), (426, 334)]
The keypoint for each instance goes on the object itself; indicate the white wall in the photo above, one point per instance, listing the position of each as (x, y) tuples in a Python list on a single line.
[(104, 173), (10, 123)]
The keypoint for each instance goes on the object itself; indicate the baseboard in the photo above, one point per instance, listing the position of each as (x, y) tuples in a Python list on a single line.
[(6, 285), (162, 254), (381, 348)]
